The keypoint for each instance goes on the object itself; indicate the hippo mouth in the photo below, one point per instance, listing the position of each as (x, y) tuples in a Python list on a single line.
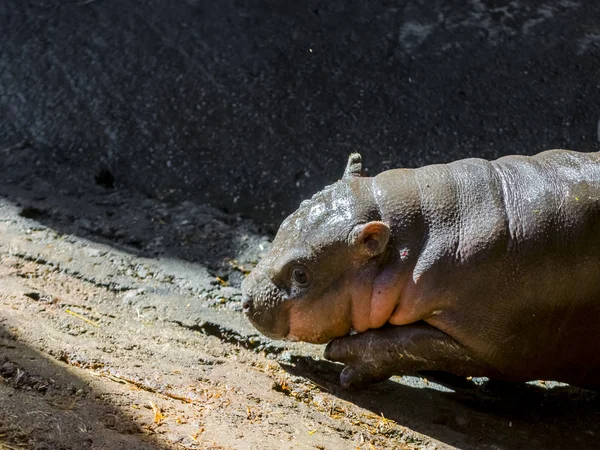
[(272, 322), (282, 335)]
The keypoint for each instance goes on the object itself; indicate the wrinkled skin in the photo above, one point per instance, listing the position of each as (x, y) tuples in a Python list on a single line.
[(475, 268)]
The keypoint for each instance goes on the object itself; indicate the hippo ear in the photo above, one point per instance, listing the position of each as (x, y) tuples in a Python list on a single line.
[(370, 239), (354, 166)]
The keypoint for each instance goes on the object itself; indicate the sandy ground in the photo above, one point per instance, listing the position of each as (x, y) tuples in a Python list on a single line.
[(120, 328)]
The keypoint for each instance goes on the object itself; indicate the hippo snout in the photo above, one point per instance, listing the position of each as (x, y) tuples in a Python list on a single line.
[(264, 305)]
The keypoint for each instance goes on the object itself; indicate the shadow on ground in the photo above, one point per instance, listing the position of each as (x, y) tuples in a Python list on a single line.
[(481, 415), (46, 406), (93, 208)]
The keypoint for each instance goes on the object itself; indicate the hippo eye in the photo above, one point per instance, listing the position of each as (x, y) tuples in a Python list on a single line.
[(299, 275)]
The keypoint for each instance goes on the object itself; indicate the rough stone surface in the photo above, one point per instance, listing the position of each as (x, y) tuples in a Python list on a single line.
[(252, 106)]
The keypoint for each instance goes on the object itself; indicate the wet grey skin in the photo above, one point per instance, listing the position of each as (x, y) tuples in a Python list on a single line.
[(477, 268)]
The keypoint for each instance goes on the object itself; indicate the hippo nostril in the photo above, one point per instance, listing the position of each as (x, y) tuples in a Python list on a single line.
[(247, 304)]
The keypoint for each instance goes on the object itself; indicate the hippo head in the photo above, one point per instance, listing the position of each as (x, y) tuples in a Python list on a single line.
[(321, 264)]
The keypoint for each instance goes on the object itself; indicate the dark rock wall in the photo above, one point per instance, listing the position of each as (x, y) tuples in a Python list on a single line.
[(254, 105)]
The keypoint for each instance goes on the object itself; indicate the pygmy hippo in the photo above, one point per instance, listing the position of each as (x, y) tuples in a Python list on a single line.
[(477, 268)]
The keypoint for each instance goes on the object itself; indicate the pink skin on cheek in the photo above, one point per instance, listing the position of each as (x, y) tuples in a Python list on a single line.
[(409, 308), (386, 295), (361, 288), (296, 330), (326, 320)]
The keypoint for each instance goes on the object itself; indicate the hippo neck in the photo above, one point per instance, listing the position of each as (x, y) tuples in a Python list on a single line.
[(396, 194), (365, 203)]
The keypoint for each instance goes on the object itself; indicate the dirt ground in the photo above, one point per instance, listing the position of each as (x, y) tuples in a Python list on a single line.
[(120, 328)]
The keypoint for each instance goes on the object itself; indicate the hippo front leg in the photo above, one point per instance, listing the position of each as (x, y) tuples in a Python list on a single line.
[(376, 355)]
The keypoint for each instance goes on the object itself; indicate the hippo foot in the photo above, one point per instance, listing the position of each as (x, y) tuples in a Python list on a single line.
[(359, 377), (376, 355)]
